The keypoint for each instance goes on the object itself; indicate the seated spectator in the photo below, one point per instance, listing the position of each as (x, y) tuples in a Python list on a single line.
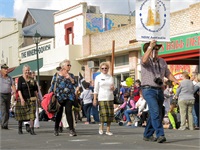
[(119, 110), (130, 109), (142, 110)]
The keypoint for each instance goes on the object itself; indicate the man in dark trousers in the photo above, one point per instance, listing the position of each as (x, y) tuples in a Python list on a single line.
[(6, 87), (153, 71)]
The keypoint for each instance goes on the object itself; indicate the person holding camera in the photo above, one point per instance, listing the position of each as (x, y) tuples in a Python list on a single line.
[(153, 71)]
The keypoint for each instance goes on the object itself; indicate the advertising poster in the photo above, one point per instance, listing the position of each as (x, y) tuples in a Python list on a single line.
[(153, 20)]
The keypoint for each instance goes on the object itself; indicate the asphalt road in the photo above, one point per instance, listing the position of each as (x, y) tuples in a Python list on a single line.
[(88, 138)]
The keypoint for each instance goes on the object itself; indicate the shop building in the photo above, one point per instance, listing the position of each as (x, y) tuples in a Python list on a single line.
[(11, 40), (79, 35), (183, 49), (65, 42)]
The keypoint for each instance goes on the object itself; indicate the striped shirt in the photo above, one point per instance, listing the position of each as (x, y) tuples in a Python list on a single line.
[(159, 68)]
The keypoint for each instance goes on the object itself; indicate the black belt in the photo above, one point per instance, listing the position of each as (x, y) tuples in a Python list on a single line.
[(150, 87)]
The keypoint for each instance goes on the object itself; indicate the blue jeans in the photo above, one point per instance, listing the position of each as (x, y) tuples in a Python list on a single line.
[(95, 113), (154, 99), (128, 112), (196, 108), (87, 109), (195, 119)]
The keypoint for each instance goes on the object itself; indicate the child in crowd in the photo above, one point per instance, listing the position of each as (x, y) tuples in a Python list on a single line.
[(173, 116), (87, 97)]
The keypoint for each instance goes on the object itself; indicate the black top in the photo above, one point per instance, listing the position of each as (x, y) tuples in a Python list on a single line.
[(22, 86)]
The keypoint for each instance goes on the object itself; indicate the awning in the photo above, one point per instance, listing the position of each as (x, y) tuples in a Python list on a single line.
[(11, 69), (49, 67), (33, 66)]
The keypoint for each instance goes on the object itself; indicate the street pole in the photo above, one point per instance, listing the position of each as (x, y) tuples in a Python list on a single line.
[(38, 70), (36, 40), (113, 58)]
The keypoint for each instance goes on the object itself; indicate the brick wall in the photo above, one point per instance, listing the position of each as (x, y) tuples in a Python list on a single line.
[(180, 23)]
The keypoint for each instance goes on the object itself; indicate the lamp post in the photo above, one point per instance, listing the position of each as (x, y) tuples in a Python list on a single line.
[(36, 40)]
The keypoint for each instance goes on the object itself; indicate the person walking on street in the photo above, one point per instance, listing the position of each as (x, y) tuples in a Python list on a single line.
[(153, 71), (26, 104), (65, 94), (6, 87), (104, 87)]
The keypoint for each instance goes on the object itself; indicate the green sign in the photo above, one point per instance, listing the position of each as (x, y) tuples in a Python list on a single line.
[(181, 44)]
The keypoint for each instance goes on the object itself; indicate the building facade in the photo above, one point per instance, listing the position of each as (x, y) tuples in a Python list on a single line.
[(184, 29), (87, 37), (11, 40)]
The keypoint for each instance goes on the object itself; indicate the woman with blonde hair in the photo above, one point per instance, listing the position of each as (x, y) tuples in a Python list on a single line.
[(104, 87), (28, 95), (185, 94)]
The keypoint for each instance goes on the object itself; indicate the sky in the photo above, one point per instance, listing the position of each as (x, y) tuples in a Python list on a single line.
[(17, 8)]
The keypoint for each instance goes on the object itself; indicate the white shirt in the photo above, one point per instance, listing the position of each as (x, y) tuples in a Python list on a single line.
[(102, 87), (87, 96), (141, 102)]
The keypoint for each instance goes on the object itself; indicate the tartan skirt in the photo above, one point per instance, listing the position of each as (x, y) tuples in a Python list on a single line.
[(26, 112), (106, 111)]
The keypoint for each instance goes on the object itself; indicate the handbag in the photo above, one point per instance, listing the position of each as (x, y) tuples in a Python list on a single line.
[(34, 98), (53, 105)]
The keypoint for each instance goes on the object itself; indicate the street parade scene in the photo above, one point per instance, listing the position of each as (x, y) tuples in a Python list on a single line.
[(90, 74)]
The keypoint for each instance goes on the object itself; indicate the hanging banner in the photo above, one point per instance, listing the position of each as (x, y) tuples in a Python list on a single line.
[(153, 20)]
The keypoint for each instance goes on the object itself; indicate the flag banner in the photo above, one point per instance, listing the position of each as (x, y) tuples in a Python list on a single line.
[(81, 81), (153, 20)]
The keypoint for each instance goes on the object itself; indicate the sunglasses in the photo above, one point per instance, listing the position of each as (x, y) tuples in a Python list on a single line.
[(104, 68), (69, 65)]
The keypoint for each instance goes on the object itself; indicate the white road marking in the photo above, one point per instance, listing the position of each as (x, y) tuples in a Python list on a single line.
[(79, 140), (112, 143)]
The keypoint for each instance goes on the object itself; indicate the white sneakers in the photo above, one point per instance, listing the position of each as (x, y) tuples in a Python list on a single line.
[(100, 132), (107, 133)]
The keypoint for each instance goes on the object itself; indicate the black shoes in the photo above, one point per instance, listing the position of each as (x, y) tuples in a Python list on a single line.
[(161, 139), (4, 127), (20, 130), (60, 129), (28, 128), (32, 132), (72, 133), (56, 133), (151, 139)]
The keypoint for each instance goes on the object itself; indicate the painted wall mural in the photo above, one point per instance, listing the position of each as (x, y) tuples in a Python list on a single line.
[(96, 24)]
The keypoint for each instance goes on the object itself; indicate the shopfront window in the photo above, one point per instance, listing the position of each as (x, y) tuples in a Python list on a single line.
[(121, 60)]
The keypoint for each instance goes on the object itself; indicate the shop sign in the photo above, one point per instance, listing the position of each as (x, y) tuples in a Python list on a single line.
[(32, 52), (181, 44)]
